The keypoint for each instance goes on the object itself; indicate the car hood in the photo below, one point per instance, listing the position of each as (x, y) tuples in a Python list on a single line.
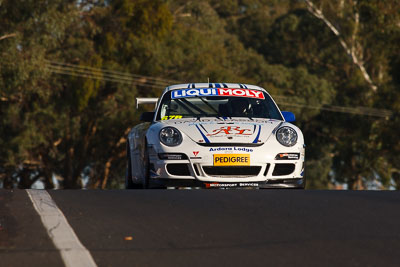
[(233, 130)]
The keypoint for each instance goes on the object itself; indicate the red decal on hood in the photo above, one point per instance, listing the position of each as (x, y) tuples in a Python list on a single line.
[(230, 130)]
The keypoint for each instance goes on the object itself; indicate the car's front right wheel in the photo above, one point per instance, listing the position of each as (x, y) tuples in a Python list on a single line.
[(128, 174), (146, 170)]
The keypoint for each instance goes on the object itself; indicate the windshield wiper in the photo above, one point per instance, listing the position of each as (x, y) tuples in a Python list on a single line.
[(211, 107), (185, 107), (193, 107)]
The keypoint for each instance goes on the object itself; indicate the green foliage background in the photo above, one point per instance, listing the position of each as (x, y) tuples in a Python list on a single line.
[(70, 72)]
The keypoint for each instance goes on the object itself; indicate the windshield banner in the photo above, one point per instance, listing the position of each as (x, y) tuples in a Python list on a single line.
[(217, 92)]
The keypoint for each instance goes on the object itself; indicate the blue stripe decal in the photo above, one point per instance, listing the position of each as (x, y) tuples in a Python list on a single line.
[(241, 86), (217, 85), (188, 85), (244, 86), (204, 137), (210, 85), (225, 86), (258, 135)]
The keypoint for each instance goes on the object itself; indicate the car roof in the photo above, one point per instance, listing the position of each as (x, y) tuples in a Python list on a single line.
[(214, 85)]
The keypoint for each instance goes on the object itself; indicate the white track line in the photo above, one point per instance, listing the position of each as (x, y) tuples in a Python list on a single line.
[(64, 238)]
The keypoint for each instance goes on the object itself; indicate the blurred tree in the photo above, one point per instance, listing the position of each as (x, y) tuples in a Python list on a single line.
[(51, 123), (25, 91), (358, 155)]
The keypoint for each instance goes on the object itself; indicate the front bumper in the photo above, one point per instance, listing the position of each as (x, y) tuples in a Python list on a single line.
[(264, 170)]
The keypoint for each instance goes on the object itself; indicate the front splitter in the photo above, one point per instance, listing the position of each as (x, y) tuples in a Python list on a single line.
[(281, 183)]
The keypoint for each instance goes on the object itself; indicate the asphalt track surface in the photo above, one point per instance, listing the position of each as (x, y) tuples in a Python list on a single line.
[(209, 228)]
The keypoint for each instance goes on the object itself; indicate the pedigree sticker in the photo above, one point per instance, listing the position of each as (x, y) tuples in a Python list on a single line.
[(217, 92), (231, 159)]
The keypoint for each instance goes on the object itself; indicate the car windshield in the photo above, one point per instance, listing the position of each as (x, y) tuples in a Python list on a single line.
[(217, 102)]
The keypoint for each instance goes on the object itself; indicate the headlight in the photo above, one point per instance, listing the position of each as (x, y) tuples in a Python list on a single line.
[(170, 136), (287, 136)]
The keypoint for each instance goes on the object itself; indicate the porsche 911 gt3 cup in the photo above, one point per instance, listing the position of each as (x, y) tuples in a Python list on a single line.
[(215, 135)]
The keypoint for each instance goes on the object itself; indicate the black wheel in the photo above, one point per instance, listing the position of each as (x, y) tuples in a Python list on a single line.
[(128, 175), (146, 169), (128, 180), (129, 184), (303, 186)]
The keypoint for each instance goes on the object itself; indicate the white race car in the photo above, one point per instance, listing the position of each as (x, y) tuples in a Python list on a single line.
[(215, 135)]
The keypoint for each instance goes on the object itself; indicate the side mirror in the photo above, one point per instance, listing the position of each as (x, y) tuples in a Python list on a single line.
[(147, 116), (288, 116)]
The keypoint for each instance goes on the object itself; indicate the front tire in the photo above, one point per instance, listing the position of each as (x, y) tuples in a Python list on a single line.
[(146, 169), (303, 185), (128, 174)]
